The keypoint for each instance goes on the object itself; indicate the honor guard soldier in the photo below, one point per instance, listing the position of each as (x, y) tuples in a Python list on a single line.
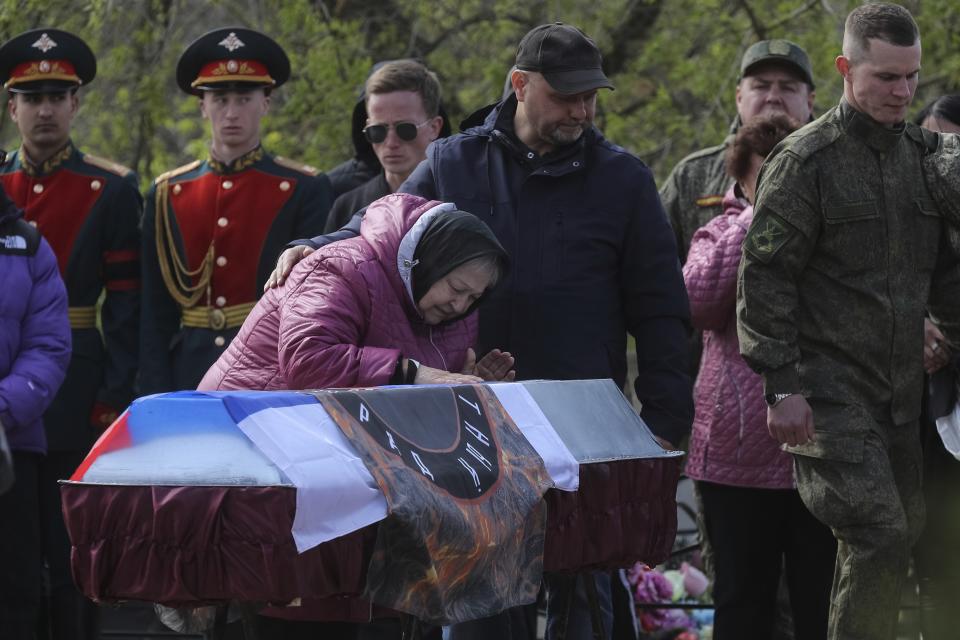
[(88, 209), (213, 229)]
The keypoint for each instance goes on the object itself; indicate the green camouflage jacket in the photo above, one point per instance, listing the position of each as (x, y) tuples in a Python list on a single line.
[(845, 252), (692, 196)]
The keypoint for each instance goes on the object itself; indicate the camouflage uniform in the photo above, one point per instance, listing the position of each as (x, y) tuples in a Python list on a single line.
[(693, 193), (692, 196), (841, 260)]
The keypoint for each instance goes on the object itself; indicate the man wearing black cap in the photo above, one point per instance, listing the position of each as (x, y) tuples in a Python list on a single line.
[(88, 209), (592, 253), (212, 228), (775, 76)]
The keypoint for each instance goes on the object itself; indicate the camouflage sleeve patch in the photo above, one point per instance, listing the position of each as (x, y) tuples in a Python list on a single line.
[(767, 235)]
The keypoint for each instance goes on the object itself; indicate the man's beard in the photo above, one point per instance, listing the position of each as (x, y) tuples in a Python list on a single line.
[(560, 137)]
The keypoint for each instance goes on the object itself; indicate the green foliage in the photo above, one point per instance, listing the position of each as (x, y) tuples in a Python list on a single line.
[(675, 64)]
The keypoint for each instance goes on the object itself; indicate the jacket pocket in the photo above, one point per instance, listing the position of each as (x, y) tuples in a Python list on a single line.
[(830, 445), (926, 222), (853, 238)]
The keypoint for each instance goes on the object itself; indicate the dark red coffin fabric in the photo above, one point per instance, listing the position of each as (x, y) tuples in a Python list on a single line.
[(193, 545)]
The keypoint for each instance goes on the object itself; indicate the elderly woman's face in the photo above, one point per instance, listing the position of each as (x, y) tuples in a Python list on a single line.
[(452, 295)]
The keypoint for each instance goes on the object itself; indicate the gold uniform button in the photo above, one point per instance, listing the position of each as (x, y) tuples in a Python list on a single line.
[(177, 189), (221, 261), (221, 301), (33, 223), (222, 222), (284, 186), (219, 341), (228, 184), (38, 188), (95, 185)]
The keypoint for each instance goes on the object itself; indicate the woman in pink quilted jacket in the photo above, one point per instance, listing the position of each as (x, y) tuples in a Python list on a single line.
[(393, 305), (752, 517)]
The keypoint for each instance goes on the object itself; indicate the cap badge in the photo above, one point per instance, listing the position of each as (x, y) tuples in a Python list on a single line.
[(231, 42), (44, 66), (779, 47), (232, 66), (45, 43)]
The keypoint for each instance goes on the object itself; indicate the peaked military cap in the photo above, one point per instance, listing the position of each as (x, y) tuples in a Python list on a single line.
[(231, 58), (46, 60)]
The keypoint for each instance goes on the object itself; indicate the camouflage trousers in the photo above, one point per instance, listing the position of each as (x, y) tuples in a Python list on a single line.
[(867, 488)]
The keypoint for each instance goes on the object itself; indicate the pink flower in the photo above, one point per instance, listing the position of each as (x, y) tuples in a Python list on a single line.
[(651, 585), (694, 582)]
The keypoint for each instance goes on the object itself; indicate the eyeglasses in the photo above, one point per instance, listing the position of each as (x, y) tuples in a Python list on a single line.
[(406, 131)]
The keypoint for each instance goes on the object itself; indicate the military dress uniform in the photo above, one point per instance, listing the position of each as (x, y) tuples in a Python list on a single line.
[(88, 209), (845, 255), (211, 231)]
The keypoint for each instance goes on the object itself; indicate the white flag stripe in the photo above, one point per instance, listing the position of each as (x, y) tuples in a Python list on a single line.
[(335, 492), (529, 418)]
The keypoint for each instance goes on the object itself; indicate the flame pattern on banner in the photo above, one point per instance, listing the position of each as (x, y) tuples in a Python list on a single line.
[(457, 545)]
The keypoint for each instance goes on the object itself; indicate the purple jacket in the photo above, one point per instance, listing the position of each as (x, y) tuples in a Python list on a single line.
[(344, 315), (730, 443), (34, 330)]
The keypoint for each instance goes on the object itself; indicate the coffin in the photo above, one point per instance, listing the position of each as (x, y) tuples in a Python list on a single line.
[(196, 498)]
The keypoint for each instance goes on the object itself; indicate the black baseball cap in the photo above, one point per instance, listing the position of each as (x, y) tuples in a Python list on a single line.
[(565, 56), (782, 52)]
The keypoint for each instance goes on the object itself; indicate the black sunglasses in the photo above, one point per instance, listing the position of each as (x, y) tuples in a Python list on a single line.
[(406, 131)]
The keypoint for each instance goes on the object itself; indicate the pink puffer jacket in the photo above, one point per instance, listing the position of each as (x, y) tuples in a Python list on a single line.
[(345, 314), (730, 443)]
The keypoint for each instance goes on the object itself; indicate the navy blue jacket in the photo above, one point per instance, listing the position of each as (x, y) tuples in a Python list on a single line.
[(593, 258)]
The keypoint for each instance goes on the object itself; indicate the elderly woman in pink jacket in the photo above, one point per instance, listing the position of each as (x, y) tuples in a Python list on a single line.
[(752, 517), (393, 305)]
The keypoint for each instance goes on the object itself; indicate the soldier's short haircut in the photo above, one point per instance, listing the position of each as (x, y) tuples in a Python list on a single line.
[(406, 75), (881, 21), (757, 138)]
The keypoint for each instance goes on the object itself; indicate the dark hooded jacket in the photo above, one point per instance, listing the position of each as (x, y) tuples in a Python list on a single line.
[(593, 259)]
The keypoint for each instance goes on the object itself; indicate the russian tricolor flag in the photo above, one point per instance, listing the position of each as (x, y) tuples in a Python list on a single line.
[(276, 438)]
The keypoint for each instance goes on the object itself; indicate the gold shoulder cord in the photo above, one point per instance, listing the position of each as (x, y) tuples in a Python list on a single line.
[(178, 278)]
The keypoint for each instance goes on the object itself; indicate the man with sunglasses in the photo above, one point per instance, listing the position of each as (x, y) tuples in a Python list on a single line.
[(593, 259), (402, 102), (212, 228)]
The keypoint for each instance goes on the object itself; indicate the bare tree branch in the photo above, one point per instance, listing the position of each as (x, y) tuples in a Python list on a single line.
[(755, 23)]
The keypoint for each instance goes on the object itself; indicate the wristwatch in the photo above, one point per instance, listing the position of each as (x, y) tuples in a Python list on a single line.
[(413, 366), (773, 399)]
